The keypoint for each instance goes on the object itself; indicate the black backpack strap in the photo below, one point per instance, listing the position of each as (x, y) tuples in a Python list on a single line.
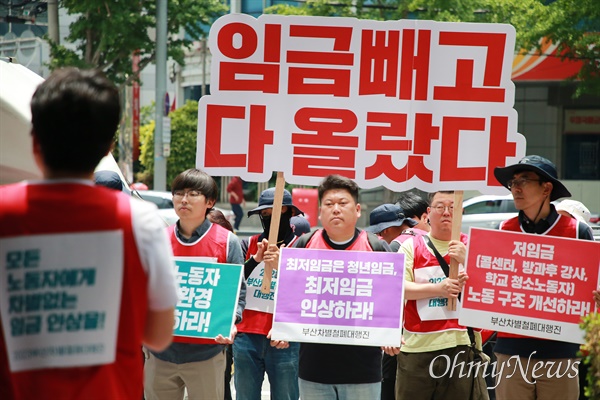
[(304, 239), (375, 242), (441, 261), (446, 269)]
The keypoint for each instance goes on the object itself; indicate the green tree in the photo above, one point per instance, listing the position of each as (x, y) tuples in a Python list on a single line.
[(591, 354), (184, 126), (574, 24), (107, 32)]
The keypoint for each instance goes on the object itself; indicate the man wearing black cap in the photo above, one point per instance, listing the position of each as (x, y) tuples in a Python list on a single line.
[(391, 223), (388, 221), (253, 351), (534, 184), (431, 330)]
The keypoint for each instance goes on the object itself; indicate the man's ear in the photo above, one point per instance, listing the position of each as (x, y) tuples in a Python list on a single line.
[(548, 186), (36, 149)]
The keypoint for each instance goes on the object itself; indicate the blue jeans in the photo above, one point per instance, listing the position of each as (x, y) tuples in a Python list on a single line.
[(345, 391), (253, 356), (239, 215)]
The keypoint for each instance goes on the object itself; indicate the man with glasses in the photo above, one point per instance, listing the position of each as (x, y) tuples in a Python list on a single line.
[(534, 184), (431, 333), (197, 365)]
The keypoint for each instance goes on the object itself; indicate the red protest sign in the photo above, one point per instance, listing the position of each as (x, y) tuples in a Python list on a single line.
[(532, 285), (377, 101)]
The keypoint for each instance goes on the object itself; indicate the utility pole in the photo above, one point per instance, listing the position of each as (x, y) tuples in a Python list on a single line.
[(160, 164), (53, 30)]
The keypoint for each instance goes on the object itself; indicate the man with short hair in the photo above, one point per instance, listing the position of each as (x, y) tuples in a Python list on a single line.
[(415, 207), (432, 333), (253, 350), (197, 365), (389, 222), (329, 371), (534, 184), (75, 114)]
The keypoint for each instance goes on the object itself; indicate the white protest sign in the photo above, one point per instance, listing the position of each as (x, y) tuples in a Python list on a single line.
[(400, 104), (60, 298)]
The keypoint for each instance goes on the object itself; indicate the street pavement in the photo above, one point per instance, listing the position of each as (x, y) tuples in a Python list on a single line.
[(265, 393)]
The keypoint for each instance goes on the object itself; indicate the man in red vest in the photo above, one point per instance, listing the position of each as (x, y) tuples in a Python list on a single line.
[(332, 371), (197, 365), (432, 333), (533, 183), (253, 350), (89, 269)]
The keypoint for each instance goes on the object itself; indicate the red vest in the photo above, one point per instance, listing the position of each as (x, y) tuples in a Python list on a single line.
[(563, 227), (412, 322), (27, 209), (254, 321), (214, 243), (360, 244)]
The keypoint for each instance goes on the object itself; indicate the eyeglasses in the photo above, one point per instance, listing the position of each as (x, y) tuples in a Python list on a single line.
[(441, 208), (519, 182), (191, 194)]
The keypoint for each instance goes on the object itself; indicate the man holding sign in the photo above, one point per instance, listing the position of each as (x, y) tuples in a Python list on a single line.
[(339, 371), (253, 350), (432, 334), (534, 184), (195, 364)]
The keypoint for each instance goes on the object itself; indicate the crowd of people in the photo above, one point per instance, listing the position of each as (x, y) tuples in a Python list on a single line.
[(75, 114)]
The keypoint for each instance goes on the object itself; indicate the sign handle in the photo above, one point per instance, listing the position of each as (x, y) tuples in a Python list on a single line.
[(274, 230), (456, 225)]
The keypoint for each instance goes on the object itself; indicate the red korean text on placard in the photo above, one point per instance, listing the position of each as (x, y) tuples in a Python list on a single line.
[(238, 75), (396, 127), (258, 138), (324, 72), (325, 147), (385, 65), (464, 89)]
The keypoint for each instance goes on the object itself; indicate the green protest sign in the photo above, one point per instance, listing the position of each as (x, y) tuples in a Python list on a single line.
[(208, 300)]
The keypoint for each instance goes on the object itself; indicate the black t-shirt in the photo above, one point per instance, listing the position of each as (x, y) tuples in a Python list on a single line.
[(341, 364)]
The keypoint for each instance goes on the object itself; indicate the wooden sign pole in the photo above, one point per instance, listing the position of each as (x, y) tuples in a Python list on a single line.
[(273, 230), (456, 225)]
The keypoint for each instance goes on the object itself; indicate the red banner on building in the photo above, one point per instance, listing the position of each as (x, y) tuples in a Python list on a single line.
[(544, 65)]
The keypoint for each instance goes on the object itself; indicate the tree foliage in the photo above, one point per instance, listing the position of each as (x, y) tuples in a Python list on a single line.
[(184, 125), (574, 24), (107, 32), (591, 355)]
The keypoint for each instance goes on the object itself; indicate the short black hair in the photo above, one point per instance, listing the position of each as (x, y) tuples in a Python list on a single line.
[(334, 181), (196, 179), (432, 194), (412, 204), (75, 115)]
